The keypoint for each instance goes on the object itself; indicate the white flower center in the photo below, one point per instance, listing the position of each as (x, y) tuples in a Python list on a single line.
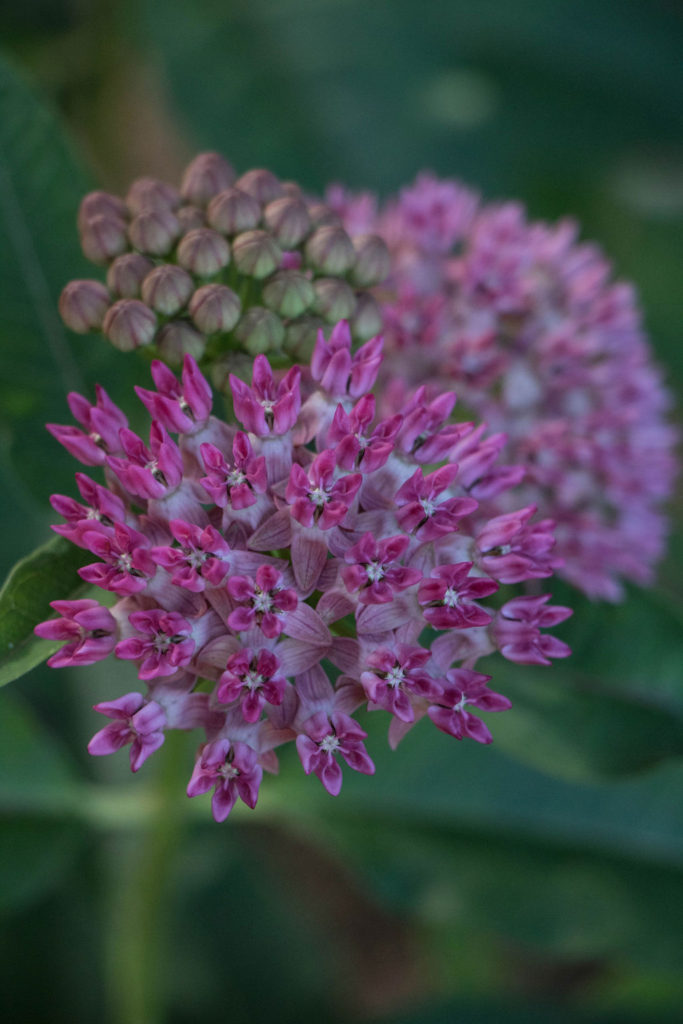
[(451, 598), (267, 404), (374, 571), (125, 562), (235, 477), (253, 680), (228, 771), (395, 676), (318, 496), (162, 642), (329, 744), (461, 703), (429, 506), (263, 602)]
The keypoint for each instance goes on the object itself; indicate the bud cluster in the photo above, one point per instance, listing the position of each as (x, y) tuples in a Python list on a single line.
[(221, 265), (527, 325), (273, 577)]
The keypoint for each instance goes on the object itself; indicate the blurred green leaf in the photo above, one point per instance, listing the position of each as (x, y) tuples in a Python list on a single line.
[(43, 576), (33, 853)]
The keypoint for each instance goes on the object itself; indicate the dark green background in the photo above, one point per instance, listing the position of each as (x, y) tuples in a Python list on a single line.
[(541, 879)]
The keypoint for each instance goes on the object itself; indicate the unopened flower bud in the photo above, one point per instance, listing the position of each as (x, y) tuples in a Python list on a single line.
[(203, 252), (129, 324), (301, 336), (329, 249), (233, 211), (167, 289), (261, 184), (322, 216), (215, 309), (334, 299), (100, 203), (290, 188), (373, 261), (154, 231), (288, 221), (190, 217), (259, 331), (289, 293), (151, 194), (256, 254), (367, 321), (205, 177), (178, 339), (126, 274), (104, 237), (82, 305)]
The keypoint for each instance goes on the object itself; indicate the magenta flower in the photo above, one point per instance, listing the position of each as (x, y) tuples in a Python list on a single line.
[(88, 628), (374, 570), (101, 425), (398, 679), (320, 497), (463, 689), (135, 721), (324, 739), (264, 601), (255, 678), (235, 485), (201, 560), (527, 325), (449, 597), (231, 770), (268, 406), (274, 576), (163, 646)]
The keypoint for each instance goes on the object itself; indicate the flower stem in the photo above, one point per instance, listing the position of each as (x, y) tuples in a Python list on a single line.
[(142, 866)]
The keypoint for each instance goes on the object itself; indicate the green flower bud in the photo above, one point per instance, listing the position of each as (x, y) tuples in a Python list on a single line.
[(154, 231), (329, 250), (215, 309), (189, 218), (290, 188), (104, 238), (151, 194), (261, 184), (289, 293), (83, 304), (233, 211), (367, 321), (205, 177), (129, 324), (322, 216), (126, 274), (301, 336), (373, 262), (178, 339), (203, 252), (256, 254), (288, 221), (334, 299), (260, 331), (167, 289), (100, 203)]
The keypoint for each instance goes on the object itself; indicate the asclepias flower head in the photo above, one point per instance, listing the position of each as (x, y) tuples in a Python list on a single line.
[(274, 576)]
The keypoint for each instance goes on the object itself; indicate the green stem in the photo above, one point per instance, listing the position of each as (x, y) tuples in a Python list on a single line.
[(139, 891)]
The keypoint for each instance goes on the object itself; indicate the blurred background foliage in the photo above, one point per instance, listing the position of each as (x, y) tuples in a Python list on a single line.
[(541, 879)]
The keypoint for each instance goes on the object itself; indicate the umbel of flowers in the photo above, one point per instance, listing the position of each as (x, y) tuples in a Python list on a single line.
[(538, 340), (221, 265), (274, 576)]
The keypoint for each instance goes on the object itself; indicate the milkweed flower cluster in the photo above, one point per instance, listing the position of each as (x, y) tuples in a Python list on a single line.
[(273, 576), (221, 265), (528, 326)]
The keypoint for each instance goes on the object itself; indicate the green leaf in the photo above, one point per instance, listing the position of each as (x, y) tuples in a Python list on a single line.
[(46, 575)]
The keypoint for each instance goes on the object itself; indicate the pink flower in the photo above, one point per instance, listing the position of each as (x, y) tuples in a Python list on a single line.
[(185, 407), (517, 630), (163, 646), (320, 497), (232, 771), (340, 373), (449, 597), (89, 629), (264, 601), (324, 739), (373, 568), (463, 689), (101, 422), (398, 678), (235, 485), (201, 559), (267, 407), (255, 677), (421, 511), (135, 721), (127, 563)]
